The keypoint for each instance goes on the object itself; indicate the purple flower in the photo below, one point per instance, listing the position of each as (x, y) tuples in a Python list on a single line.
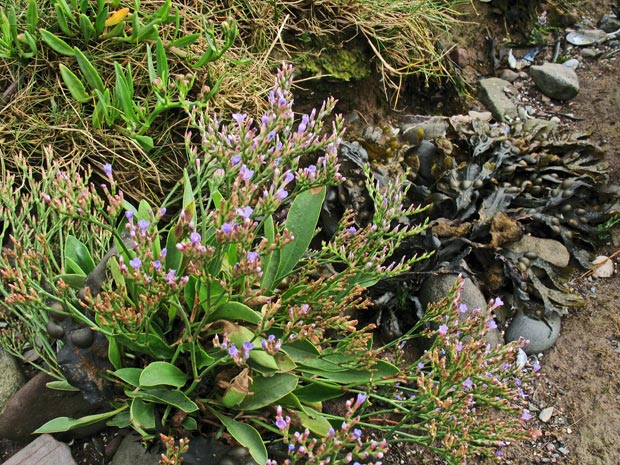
[(271, 135), (170, 276), (129, 215), (252, 256), (162, 212), (143, 224), (195, 238), (281, 424), (107, 169), (163, 252), (247, 346), (157, 265), (235, 160), (282, 194), (135, 263), (420, 365), (498, 302), (443, 330), (526, 415), (352, 230), (536, 367), (246, 173), (491, 324), (357, 433), (459, 347), (239, 117), (303, 124), (245, 212), (227, 228), (361, 398), (462, 308), (288, 177), (331, 432), (233, 351), (468, 384)]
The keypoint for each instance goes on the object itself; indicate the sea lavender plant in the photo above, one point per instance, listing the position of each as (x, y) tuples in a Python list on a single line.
[(222, 312)]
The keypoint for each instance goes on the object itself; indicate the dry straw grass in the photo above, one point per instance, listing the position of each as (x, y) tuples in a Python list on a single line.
[(37, 111)]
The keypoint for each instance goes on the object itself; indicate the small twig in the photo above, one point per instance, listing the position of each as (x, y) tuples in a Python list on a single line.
[(8, 92), (589, 272)]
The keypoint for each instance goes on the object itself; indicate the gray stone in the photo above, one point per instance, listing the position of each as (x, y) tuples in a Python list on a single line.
[(430, 128), (491, 93), (132, 452), (573, 63), (44, 450), (11, 380), (437, 287), (34, 404), (590, 53), (609, 23), (555, 81), (541, 334), (507, 75), (549, 250), (546, 414)]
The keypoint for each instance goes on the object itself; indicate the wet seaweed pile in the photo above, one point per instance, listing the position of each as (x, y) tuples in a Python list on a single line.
[(514, 207)]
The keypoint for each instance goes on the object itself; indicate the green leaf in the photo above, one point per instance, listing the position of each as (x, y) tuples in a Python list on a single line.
[(76, 281), (114, 353), (236, 311), (314, 421), (122, 420), (62, 424), (62, 20), (146, 143), (74, 84), (350, 377), (56, 43), (301, 220), (162, 61), (32, 16), (270, 261), (174, 398), (318, 392), (246, 435), (129, 375), (157, 373), (184, 41), (90, 73), (142, 414), (61, 386), (78, 252), (87, 28), (267, 391)]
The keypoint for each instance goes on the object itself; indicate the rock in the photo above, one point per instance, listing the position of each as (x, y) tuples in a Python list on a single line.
[(460, 56), (507, 75), (555, 81), (437, 287), (426, 152), (590, 53), (573, 63), (429, 128), (213, 452), (131, 452), (609, 23), (44, 450), (491, 93), (42, 405), (11, 380), (545, 414), (586, 37), (541, 334), (549, 250)]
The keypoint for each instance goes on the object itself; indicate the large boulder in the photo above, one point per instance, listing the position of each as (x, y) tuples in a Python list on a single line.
[(556, 81), (11, 380), (437, 287)]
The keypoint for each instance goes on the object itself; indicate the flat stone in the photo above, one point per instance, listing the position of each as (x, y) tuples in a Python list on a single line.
[(541, 334), (41, 405), (555, 80), (546, 414), (45, 450), (491, 93), (11, 380), (131, 452), (507, 75), (549, 250)]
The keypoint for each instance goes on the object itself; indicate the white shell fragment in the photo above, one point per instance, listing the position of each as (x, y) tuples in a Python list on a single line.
[(586, 37), (546, 414), (602, 267)]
